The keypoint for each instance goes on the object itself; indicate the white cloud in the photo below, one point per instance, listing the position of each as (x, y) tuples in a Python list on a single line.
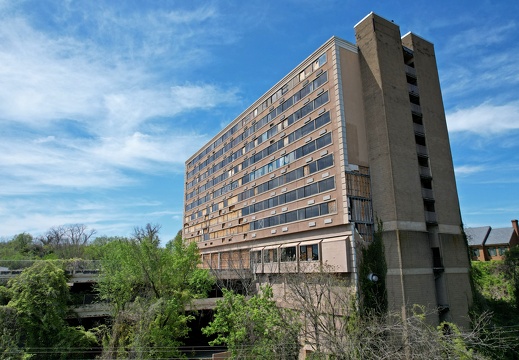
[(474, 37), (485, 119), (197, 15), (468, 169), (111, 216), (78, 112), (187, 97), (146, 152), (53, 164)]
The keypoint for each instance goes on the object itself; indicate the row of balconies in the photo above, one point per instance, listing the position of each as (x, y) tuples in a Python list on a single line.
[(426, 179), (421, 148)]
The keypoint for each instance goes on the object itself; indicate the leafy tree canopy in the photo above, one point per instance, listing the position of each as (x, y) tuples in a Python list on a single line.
[(255, 328), (39, 298), (148, 288)]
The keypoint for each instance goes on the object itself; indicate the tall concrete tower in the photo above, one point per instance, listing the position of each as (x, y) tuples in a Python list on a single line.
[(412, 177)]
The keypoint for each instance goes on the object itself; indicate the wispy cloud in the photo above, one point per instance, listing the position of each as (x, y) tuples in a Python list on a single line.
[(77, 114), (479, 62), (485, 119), (105, 215), (473, 37), (468, 169), (93, 107)]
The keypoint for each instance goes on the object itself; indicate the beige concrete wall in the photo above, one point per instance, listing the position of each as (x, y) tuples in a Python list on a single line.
[(391, 140), (457, 278), (351, 82), (438, 146), (410, 277), (395, 179)]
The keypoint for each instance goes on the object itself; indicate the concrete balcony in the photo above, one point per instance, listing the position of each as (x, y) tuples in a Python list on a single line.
[(425, 172), (413, 89), (422, 150), (418, 128), (430, 217), (102, 309), (416, 109), (410, 70), (91, 310), (427, 194)]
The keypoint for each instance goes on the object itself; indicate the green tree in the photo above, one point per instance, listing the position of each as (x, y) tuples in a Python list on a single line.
[(373, 263), (9, 334), (20, 247), (96, 248), (148, 288), (39, 297), (511, 264), (255, 328)]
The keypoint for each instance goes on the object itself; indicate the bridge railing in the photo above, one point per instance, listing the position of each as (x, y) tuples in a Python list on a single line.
[(71, 267)]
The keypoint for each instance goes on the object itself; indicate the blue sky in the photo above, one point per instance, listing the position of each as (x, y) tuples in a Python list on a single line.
[(101, 102)]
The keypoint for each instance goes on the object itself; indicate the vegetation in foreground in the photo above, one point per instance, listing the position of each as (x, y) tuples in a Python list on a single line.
[(148, 287), (335, 324)]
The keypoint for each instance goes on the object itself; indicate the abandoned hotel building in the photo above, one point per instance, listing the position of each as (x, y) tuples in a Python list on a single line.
[(354, 135)]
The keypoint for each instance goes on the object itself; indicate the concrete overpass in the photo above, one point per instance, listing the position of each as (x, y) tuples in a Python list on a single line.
[(102, 309)]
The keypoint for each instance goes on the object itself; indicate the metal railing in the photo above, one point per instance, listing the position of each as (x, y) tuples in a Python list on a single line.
[(72, 267)]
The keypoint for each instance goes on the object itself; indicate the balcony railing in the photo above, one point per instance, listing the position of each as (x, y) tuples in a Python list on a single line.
[(427, 193), (425, 172), (421, 150), (413, 89), (430, 217), (418, 128), (416, 109), (410, 70)]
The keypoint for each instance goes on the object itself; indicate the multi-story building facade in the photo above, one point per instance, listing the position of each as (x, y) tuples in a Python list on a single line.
[(354, 135)]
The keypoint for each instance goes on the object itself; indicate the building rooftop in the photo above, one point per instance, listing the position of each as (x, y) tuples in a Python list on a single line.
[(500, 236), (477, 235)]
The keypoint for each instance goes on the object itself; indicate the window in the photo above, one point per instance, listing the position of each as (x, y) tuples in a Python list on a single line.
[(270, 255), (291, 216), (475, 253), (312, 211), (324, 140), (327, 184), (288, 254), (311, 189), (309, 252), (502, 250), (492, 251), (324, 209), (322, 59), (312, 167), (266, 256), (325, 162), (315, 252), (255, 257), (321, 120), (303, 253)]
